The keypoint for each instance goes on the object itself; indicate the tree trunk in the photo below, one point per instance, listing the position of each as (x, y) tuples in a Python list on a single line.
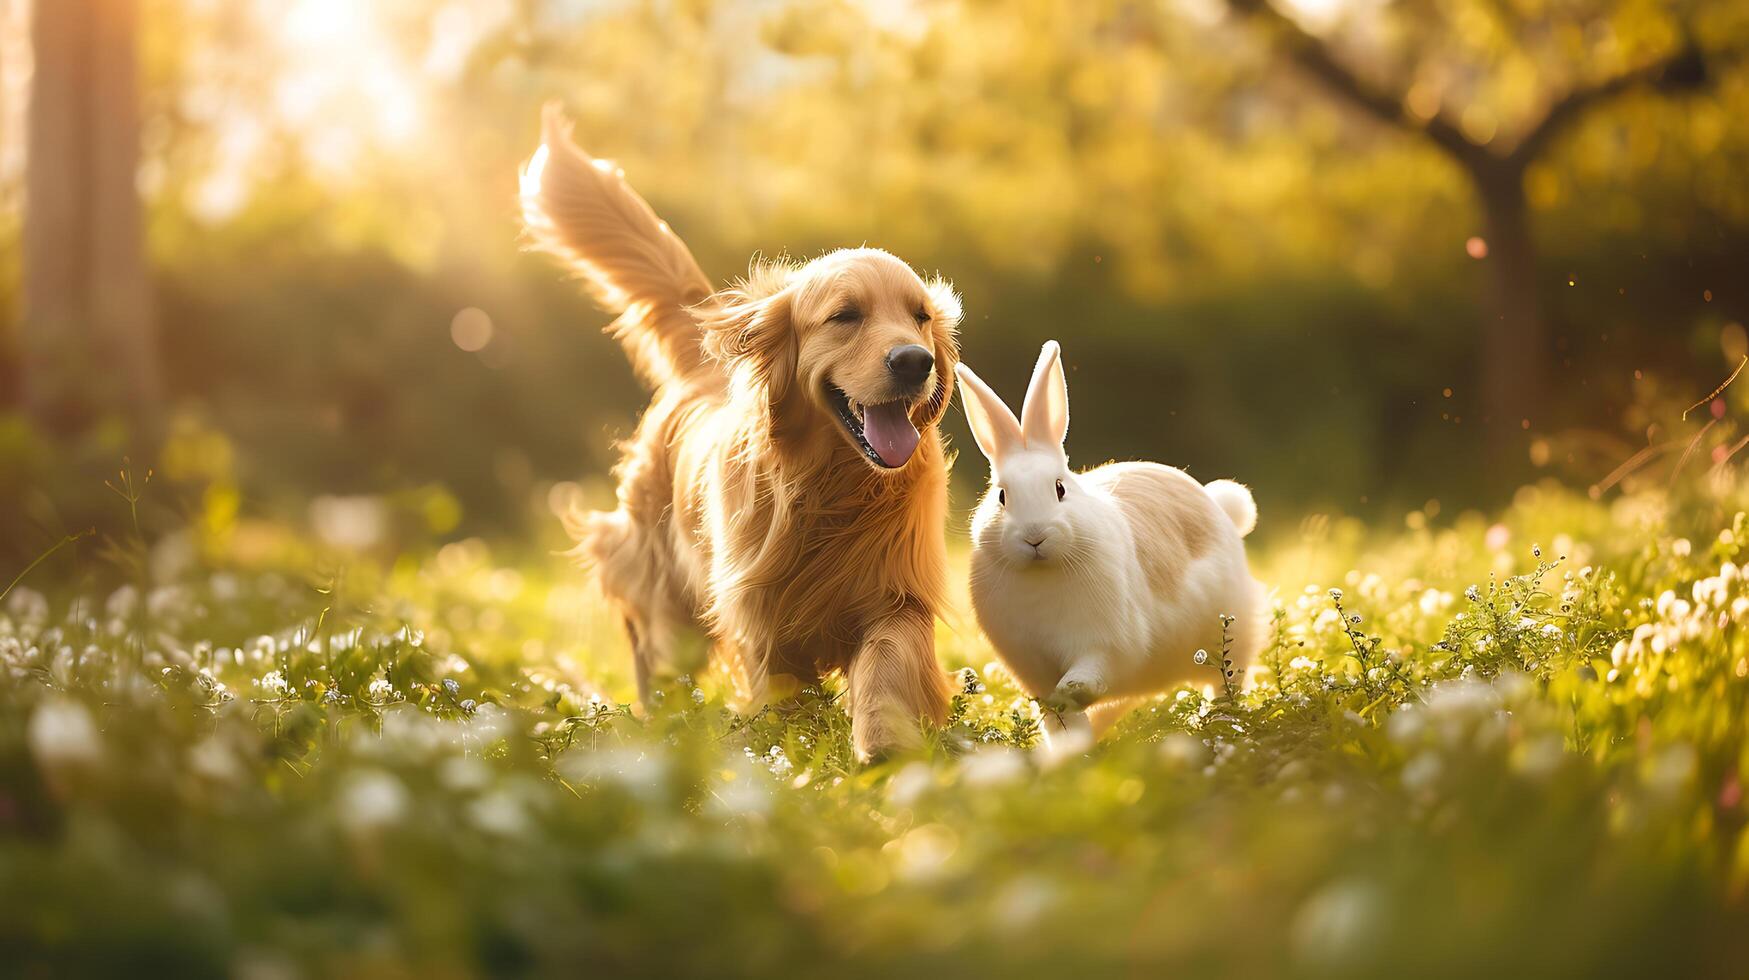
[(1514, 340), (88, 340)]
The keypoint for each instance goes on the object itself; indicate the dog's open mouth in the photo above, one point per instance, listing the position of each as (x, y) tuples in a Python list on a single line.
[(883, 432)]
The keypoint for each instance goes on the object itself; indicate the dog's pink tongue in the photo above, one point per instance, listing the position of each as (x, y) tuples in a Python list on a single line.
[(889, 432)]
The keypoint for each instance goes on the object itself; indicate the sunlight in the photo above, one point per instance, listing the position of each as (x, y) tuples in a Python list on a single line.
[(1318, 14), (15, 69), (531, 174), (336, 51), (342, 85)]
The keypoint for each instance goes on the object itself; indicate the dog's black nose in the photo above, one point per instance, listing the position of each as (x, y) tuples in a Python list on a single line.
[(910, 363)]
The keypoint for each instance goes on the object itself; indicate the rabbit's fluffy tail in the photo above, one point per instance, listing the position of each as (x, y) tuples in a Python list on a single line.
[(1235, 499), (581, 210)]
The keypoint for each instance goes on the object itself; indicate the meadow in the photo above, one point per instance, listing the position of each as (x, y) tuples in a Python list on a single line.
[(1508, 743)]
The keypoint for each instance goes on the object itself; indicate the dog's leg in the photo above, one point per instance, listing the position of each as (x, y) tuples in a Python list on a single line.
[(895, 683), (640, 661)]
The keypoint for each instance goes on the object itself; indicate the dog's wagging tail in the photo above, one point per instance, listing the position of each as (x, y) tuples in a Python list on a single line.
[(785, 493)]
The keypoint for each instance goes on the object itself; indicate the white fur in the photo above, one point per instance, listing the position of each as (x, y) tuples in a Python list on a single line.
[(1235, 499), (1061, 587)]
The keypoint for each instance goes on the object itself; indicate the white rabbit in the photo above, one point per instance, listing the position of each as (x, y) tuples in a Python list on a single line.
[(1099, 587)]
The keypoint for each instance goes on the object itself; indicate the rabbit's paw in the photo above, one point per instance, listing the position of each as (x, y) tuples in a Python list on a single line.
[(1072, 694)]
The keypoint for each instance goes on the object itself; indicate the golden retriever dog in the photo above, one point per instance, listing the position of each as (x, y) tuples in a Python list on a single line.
[(785, 493)]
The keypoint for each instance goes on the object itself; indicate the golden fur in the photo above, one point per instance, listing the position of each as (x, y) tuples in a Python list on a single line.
[(745, 511)]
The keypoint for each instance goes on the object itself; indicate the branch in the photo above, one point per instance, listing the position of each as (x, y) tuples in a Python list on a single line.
[(1684, 70), (1314, 57)]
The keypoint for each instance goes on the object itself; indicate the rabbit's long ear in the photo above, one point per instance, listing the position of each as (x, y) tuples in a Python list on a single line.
[(1044, 417), (994, 427)]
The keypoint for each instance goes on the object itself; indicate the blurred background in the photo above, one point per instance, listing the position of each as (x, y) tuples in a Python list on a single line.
[(1360, 254)]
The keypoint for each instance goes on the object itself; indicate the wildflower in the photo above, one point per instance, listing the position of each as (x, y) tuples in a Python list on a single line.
[(1473, 594), (122, 602), (63, 736), (451, 686), (1336, 594), (993, 767), (1201, 657), (922, 851), (371, 799), (28, 606), (214, 760), (273, 684), (1421, 773), (911, 783), (499, 813), (778, 762)]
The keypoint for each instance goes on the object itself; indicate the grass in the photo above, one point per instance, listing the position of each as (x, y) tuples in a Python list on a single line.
[(1512, 744)]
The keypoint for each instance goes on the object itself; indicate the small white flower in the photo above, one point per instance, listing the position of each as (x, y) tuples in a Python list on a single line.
[(273, 684), (371, 799), (122, 602), (993, 767), (499, 813), (62, 735), (778, 762), (28, 606)]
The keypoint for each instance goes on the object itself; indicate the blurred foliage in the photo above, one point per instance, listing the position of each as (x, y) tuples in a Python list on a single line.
[(1249, 279), (1511, 745)]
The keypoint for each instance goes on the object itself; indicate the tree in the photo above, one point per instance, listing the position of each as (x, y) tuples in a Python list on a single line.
[(1515, 342), (88, 335)]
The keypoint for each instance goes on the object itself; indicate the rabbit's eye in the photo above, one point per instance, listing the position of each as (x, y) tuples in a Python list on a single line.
[(1001, 497), (1061, 493)]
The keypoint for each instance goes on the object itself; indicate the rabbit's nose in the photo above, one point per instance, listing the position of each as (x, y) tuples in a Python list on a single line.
[(1035, 544), (910, 363)]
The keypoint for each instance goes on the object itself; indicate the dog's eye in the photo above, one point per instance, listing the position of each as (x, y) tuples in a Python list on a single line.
[(1001, 497), (1061, 493), (846, 315), (922, 315)]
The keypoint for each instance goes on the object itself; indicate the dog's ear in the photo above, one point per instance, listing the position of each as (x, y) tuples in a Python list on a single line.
[(754, 337), (945, 303), (944, 331)]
